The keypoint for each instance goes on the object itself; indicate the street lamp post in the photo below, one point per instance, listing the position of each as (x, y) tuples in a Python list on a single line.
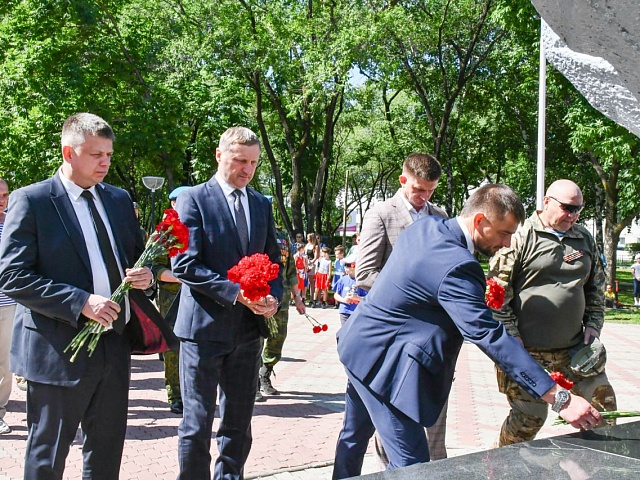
[(153, 184)]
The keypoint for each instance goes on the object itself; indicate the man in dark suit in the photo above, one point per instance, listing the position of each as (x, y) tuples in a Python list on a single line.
[(401, 344), (218, 327), (380, 228), (52, 264)]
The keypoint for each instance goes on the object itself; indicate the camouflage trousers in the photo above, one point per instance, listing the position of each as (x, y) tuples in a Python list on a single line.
[(172, 376), (527, 415), (272, 351)]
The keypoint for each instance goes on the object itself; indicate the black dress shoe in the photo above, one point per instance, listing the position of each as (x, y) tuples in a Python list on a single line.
[(176, 407)]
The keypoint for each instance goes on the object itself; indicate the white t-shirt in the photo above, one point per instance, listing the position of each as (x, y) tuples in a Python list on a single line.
[(635, 269)]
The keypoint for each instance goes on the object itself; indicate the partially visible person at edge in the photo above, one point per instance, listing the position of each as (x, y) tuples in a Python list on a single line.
[(312, 252), (219, 328), (380, 228), (272, 351), (554, 305), (635, 271), (167, 302), (52, 264), (400, 346), (7, 312)]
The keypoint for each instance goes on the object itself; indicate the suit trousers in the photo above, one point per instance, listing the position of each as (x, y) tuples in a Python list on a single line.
[(205, 366), (6, 328), (98, 403), (403, 439), (357, 430)]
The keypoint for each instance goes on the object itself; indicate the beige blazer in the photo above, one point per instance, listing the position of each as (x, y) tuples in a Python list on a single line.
[(380, 228)]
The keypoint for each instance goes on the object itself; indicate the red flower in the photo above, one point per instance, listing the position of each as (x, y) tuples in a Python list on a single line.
[(561, 380), (317, 326), (171, 233), (494, 294), (253, 274)]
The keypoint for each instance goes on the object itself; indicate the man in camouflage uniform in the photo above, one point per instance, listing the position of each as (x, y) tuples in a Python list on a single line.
[(168, 293), (554, 305), (272, 351)]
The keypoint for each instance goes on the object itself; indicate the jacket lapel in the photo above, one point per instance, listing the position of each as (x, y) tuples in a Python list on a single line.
[(115, 216), (70, 222)]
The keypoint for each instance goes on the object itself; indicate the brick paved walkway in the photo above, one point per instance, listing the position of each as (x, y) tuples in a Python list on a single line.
[(295, 433)]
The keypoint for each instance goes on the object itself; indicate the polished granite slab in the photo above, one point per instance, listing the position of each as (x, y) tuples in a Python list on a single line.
[(608, 453)]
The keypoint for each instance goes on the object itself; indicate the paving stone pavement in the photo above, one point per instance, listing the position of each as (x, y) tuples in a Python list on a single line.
[(295, 433)]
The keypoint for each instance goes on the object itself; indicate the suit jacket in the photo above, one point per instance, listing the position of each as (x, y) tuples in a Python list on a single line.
[(44, 266), (404, 338), (207, 311), (380, 228)]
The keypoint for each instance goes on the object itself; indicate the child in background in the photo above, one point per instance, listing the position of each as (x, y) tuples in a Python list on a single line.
[(301, 269), (323, 273), (610, 298), (338, 268), (346, 291)]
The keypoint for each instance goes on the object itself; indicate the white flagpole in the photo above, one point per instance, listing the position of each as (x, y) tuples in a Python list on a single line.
[(542, 93)]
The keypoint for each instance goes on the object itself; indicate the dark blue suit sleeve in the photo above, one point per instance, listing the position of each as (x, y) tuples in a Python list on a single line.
[(461, 294), (21, 260)]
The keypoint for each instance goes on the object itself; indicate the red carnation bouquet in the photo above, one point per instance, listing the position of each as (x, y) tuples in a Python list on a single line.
[(494, 294), (170, 238), (253, 273)]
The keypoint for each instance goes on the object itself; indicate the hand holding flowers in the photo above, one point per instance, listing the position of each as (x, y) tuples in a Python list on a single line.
[(170, 238), (253, 274)]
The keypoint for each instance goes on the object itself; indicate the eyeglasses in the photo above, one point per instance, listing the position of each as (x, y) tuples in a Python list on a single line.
[(567, 207)]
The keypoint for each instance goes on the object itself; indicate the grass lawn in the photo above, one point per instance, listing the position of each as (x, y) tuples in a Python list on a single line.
[(628, 313)]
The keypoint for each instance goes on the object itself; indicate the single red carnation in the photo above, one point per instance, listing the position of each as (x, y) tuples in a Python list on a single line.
[(317, 329), (325, 327), (494, 294)]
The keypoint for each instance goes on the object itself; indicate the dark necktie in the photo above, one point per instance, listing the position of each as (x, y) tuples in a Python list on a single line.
[(107, 254), (241, 220)]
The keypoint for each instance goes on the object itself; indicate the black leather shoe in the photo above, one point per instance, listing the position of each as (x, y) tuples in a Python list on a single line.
[(176, 407)]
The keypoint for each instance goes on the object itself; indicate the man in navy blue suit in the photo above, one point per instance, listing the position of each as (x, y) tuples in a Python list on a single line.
[(400, 346), (55, 262), (218, 327)]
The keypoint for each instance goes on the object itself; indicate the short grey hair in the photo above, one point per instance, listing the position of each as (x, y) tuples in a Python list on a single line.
[(77, 126), (495, 200), (238, 135)]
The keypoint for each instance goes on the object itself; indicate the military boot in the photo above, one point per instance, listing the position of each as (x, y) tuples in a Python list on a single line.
[(265, 381)]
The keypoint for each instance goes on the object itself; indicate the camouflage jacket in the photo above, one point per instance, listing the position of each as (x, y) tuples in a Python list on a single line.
[(554, 287), (288, 263)]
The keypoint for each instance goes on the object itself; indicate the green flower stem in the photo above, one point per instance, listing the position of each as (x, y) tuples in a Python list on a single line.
[(605, 416)]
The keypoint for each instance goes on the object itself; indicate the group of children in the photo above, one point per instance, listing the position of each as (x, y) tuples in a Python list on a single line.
[(338, 275)]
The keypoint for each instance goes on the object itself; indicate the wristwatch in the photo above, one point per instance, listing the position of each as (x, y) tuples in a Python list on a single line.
[(562, 397)]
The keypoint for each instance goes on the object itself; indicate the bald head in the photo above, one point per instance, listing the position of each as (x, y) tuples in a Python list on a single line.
[(562, 205), (566, 191)]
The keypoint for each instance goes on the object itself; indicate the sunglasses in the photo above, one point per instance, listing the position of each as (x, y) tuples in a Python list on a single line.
[(567, 207)]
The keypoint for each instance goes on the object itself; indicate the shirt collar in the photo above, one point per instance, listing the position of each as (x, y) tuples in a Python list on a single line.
[(227, 188), (73, 190), (467, 235), (412, 209)]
